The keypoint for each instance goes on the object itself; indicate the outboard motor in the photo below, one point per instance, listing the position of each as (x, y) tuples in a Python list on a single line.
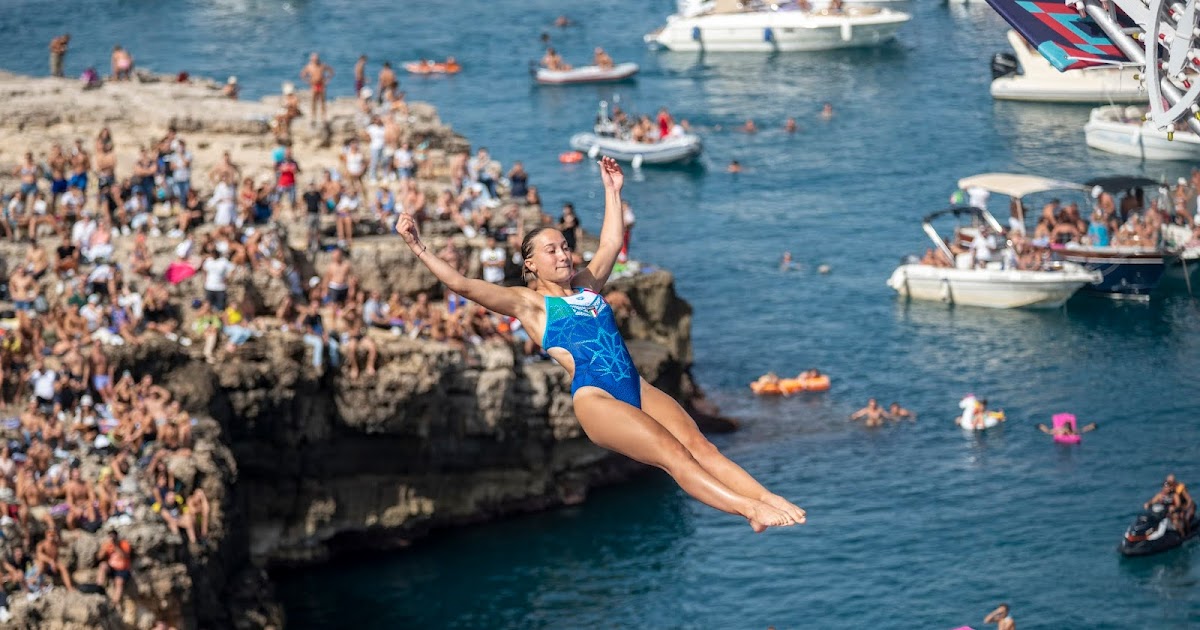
[(1003, 65)]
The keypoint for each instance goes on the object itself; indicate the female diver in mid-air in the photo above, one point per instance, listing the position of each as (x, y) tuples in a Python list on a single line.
[(616, 408)]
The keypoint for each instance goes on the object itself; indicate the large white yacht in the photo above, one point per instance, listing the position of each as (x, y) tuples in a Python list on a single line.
[(732, 26)]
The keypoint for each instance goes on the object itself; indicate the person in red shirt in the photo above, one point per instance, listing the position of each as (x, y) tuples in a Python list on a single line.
[(664, 123), (115, 558), (285, 179)]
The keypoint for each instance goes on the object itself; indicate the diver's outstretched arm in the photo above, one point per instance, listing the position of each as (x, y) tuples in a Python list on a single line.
[(1089, 427), (1045, 429), (511, 301), (612, 232)]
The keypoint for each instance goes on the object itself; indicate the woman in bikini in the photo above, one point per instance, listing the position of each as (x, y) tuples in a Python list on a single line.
[(617, 409)]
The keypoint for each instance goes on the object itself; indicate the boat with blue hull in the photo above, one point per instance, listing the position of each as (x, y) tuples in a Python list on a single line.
[(1131, 273)]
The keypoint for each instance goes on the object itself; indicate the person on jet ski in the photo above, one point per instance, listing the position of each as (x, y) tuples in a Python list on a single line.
[(1180, 506)]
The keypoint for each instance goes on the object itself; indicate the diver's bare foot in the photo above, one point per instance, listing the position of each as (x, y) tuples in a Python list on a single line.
[(789, 508), (762, 516)]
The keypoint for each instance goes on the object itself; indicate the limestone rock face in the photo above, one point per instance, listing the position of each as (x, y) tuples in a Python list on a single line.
[(325, 464)]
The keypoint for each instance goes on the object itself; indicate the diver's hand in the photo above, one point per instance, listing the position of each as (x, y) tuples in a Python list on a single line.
[(406, 227), (611, 174)]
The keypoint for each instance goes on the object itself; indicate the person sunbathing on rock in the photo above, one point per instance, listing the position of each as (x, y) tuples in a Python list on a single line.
[(617, 409)]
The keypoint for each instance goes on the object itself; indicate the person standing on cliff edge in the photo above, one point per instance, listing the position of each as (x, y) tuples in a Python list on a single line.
[(617, 409), (317, 73), (58, 51)]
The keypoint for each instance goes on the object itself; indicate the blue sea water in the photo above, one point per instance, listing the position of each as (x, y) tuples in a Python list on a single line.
[(911, 526)]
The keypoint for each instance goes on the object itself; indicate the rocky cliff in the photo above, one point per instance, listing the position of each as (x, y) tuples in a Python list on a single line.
[(327, 465)]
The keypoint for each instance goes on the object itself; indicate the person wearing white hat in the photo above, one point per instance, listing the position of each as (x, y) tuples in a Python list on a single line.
[(231, 89)]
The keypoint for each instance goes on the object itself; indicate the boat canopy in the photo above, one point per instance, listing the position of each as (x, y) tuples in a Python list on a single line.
[(958, 212), (1112, 183), (1057, 31), (965, 211), (1016, 186)]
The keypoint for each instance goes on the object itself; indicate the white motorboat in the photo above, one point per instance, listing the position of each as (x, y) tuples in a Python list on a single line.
[(993, 285), (1042, 82), (726, 26), (675, 149), (1121, 130), (586, 74)]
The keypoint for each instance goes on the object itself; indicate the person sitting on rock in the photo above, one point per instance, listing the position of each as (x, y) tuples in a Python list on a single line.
[(354, 338), (46, 557), (309, 323), (197, 506), (115, 558), (16, 563), (81, 502)]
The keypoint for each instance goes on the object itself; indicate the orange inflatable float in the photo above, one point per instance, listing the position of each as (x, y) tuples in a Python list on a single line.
[(429, 67), (570, 157), (812, 384), (771, 385)]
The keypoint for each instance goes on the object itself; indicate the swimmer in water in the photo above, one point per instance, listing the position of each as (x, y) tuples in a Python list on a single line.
[(734, 167), (1067, 428), (617, 409), (827, 111), (790, 125), (1002, 618), (873, 413), (749, 126), (896, 412), (786, 263)]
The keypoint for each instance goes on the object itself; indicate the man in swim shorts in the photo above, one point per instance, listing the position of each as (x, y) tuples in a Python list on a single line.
[(360, 74), (337, 278), (317, 73)]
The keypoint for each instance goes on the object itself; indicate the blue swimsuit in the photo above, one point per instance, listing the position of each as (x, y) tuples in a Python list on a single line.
[(583, 325)]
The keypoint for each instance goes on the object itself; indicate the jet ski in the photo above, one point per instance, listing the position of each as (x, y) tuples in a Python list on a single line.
[(1152, 532)]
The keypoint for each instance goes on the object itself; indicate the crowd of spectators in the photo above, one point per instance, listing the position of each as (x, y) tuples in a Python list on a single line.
[(89, 450), (98, 257)]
